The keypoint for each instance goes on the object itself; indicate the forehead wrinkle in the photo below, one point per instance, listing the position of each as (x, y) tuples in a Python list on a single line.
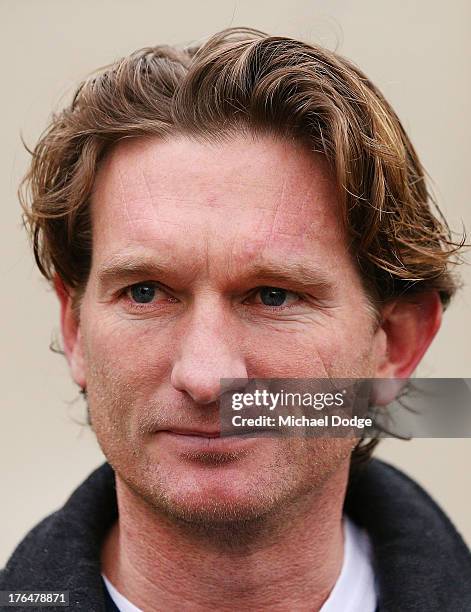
[(123, 196), (228, 200), (278, 205), (116, 173), (257, 183), (315, 220), (110, 191), (145, 181), (136, 207)]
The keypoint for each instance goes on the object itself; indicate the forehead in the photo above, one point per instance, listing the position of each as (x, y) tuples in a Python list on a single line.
[(250, 197)]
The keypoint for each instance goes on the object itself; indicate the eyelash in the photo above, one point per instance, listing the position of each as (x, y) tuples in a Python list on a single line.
[(145, 306), (151, 305), (267, 308)]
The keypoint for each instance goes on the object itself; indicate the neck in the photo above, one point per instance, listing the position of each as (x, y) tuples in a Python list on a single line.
[(288, 561)]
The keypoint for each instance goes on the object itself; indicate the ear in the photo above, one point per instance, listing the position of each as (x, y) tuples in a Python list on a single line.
[(409, 326), (71, 335), (407, 329)]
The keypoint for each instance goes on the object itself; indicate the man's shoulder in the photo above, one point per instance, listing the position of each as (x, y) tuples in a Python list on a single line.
[(415, 545), (388, 489), (62, 552)]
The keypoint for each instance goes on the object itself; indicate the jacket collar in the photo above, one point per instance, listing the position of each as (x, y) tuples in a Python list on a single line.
[(421, 562)]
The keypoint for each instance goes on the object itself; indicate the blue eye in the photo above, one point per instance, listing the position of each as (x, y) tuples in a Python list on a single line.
[(272, 296), (142, 293)]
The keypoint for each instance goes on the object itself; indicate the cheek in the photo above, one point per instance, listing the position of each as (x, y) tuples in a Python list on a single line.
[(338, 348), (136, 349), (126, 364), (124, 371)]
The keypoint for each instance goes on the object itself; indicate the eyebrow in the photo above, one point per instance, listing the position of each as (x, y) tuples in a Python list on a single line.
[(125, 268), (296, 274)]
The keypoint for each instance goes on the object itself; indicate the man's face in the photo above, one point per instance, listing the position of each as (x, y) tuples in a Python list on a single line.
[(186, 236)]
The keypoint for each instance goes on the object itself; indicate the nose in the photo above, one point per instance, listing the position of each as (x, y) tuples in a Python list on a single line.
[(207, 352)]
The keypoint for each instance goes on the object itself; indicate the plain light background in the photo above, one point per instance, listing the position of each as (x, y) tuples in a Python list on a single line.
[(417, 52)]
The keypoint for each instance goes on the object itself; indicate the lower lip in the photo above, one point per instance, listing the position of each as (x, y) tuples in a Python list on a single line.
[(225, 444)]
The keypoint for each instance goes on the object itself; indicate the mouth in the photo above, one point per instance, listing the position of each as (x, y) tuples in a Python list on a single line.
[(202, 441), (194, 433)]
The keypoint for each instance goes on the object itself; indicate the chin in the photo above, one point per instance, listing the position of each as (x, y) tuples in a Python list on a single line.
[(211, 511), (215, 495), (201, 490)]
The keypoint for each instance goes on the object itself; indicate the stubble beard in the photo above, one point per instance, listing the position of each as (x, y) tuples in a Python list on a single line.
[(282, 487), (272, 504)]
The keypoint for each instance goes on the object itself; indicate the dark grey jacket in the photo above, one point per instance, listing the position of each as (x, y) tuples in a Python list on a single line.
[(422, 563)]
